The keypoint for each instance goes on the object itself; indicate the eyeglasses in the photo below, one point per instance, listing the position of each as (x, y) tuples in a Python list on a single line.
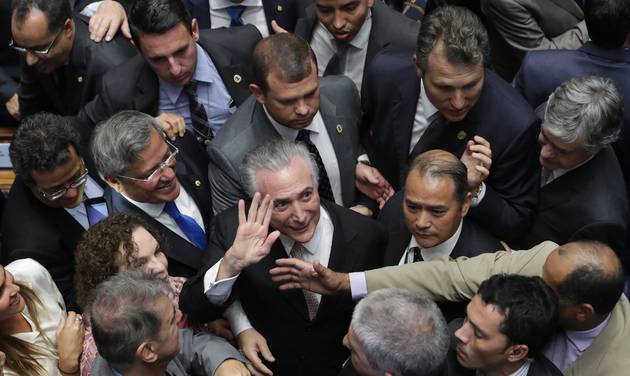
[(45, 51), (168, 162), (74, 183)]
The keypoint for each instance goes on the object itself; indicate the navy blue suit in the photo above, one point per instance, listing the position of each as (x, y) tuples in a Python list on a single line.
[(500, 115)]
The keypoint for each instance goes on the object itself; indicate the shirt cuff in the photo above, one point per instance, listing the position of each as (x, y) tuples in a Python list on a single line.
[(237, 317), (477, 199), (90, 9), (363, 158), (358, 285), (217, 291)]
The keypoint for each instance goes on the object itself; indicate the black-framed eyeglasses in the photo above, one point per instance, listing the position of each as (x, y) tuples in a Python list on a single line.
[(45, 51), (168, 162), (74, 183)]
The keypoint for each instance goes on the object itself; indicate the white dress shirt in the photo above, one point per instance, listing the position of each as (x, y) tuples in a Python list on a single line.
[(323, 46), (522, 371), (254, 14), (443, 249), (424, 110)]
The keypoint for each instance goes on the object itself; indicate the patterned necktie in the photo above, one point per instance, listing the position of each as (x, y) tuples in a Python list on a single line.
[(235, 12), (188, 225), (324, 189), (312, 302), (198, 114), (417, 255), (337, 64)]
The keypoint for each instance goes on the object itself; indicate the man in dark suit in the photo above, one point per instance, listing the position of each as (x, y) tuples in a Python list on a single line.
[(46, 214), (164, 182), (260, 13), (62, 67), (583, 117), (346, 34), (444, 98), (303, 331), (201, 77), (290, 103)]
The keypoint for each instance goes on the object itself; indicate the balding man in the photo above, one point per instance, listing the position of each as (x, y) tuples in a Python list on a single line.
[(586, 275)]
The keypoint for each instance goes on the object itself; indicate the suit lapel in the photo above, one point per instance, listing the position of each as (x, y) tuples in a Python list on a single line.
[(398, 242), (148, 88), (402, 118)]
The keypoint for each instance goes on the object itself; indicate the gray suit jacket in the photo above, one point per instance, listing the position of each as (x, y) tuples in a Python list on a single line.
[(200, 354), (249, 127), (517, 26)]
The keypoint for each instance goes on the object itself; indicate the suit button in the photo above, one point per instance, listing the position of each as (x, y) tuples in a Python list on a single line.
[(197, 183), (207, 142), (199, 139), (279, 8), (461, 135)]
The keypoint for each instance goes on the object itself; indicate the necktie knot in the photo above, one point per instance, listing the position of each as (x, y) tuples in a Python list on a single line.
[(236, 12), (191, 88), (416, 254)]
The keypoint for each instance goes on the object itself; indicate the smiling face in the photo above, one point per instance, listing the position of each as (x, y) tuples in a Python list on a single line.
[(295, 199), (58, 178), (148, 255), (11, 302), (343, 18)]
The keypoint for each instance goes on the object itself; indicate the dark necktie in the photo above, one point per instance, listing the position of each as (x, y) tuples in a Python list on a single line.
[(324, 189), (337, 64), (414, 9), (312, 304), (236, 12), (198, 114), (188, 225), (417, 255)]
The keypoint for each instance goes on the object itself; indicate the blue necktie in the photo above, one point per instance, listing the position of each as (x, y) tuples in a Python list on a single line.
[(235, 12), (188, 225), (94, 216)]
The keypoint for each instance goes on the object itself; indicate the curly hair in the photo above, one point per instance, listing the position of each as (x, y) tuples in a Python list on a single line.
[(98, 254)]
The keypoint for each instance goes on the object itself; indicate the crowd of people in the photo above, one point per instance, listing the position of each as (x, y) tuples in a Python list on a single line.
[(315, 187)]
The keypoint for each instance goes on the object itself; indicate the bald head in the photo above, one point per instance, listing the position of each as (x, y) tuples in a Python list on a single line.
[(442, 164)]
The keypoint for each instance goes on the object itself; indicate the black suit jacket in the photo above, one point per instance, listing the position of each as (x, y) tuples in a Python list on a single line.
[(301, 347), (389, 28), (183, 257), (500, 115), (282, 11), (586, 203), (135, 86), (80, 79)]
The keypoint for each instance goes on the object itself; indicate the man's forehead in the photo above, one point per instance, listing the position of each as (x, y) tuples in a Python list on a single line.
[(34, 22)]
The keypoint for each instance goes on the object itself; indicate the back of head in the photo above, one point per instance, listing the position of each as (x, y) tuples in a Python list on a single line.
[(529, 305), (608, 22), (401, 332), (442, 164), (587, 110), (157, 17), (117, 141), (285, 54), (463, 36), (123, 316), (41, 143), (55, 11)]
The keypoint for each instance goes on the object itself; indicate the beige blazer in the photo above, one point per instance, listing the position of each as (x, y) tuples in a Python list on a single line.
[(459, 279)]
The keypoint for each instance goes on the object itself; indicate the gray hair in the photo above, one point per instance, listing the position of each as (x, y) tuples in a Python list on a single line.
[(587, 110), (117, 141), (401, 332), (464, 38), (274, 155), (123, 316)]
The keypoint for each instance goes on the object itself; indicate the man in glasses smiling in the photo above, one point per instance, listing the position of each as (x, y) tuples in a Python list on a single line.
[(46, 213), (165, 183)]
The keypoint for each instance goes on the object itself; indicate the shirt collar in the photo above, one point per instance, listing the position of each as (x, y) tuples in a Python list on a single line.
[(427, 106), (312, 245), (443, 249), (153, 210), (583, 339), (291, 133), (222, 4), (555, 174), (202, 74)]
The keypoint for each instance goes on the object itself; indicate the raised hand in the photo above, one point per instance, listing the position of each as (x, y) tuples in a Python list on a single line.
[(251, 344), (293, 273), (70, 343), (478, 159), (372, 184), (108, 19)]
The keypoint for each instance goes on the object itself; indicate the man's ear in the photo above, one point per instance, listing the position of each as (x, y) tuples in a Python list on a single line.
[(585, 312), (466, 203), (146, 352), (68, 28), (258, 93), (114, 183), (194, 28), (415, 63), (517, 353)]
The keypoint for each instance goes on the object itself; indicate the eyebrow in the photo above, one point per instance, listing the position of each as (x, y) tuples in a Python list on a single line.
[(553, 144)]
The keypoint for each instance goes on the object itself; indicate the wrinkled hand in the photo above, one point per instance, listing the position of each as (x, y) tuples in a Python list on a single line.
[(221, 328), (277, 28), (173, 125), (252, 241), (232, 367), (108, 19), (251, 343), (13, 107), (293, 273), (478, 159), (372, 184), (70, 342)]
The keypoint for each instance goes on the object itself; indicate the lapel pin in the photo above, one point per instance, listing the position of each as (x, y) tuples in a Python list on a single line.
[(197, 183), (461, 135), (80, 79), (279, 8), (238, 78), (339, 128)]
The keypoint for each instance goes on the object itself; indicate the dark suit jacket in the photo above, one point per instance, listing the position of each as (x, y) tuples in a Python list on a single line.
[(543, 71), (250, 127), (586, 203), (282, 11), (389, 28), (81, 77), (135, 86), (500, 115), (183, 257), (301, 347)]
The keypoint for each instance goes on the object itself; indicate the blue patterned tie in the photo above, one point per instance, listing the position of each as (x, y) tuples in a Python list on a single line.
[(198, 114), (188, 225), (235, 12)]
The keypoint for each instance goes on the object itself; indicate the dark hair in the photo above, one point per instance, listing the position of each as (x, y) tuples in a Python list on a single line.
[(97, 253), (607, 21), (157, 17), (442, 164), (529, 305), (464, 37), (593, 281), (41, 143), (56, 12), (285, 54)]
